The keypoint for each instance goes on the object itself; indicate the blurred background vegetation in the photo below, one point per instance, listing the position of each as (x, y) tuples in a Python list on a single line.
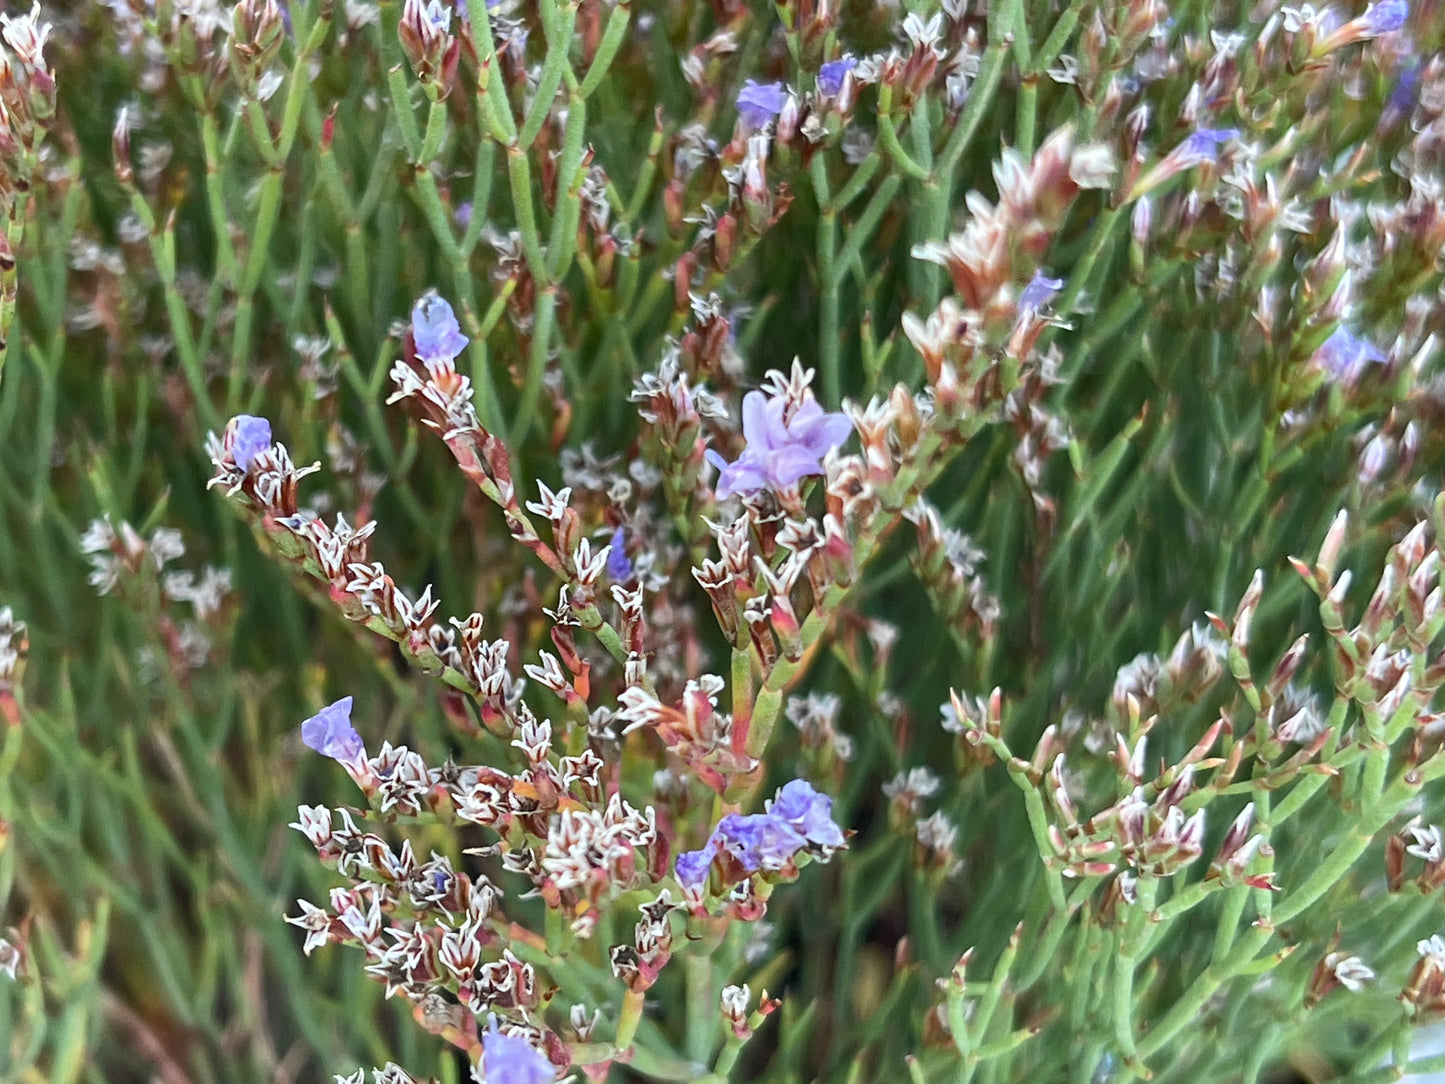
[(146, 792)]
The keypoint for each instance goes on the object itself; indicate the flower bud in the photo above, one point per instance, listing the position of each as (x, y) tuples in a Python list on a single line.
[(257, 29), (120, 148), (427, 42)]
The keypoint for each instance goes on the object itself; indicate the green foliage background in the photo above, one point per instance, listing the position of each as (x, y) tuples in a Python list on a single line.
[(146, 806)]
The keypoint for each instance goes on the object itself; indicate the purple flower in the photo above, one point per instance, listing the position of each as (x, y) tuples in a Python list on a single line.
[(760, 103), (807, 812), (1385, 17), (832, 74), (778, 452), (437, 16), (619, 568), (797, 816), (252, 436), (435, 332), (1202, 146), (693, 866), (463, 214), (1406, 90), (511, 1060), (758, 840), (331, 734), (1039, 292), (1344, 355)]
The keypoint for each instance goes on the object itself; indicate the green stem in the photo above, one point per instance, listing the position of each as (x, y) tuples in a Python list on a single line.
[(612, 36), (628, 1019), (553, 65), (978, 106), (702, 1007), (828, 282), (888, 137)]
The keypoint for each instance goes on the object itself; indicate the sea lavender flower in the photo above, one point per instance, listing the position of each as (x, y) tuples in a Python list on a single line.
[(1351, 972), (832, 74), (252, 437), (435, 332), (512, 1060), (1039, 292), (1203, 146), (759, 103), (1197, 149), (796, 817), (759, 840), (808, 812), (692, 866), (330, 733), (1406, 91), (463, 214), (619, 568), (1384, 18), (779, 450), (1344, 355)]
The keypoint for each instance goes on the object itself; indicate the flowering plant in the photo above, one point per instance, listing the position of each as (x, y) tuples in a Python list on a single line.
[(743, 542)]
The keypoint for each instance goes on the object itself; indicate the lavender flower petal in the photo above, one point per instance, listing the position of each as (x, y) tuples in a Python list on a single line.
[(252, 437), (435, 332), (818, 430), (759, 840), (779, 452), (619, 568), (512, 1060), (1039, 292), (1406, 91), (692, 866), (1203, 145), (832, 74), (759, 103), (746, 475), (789, 465), (330, 733), (763, 426), (1345, 356), (808, 812), (1385, 17)]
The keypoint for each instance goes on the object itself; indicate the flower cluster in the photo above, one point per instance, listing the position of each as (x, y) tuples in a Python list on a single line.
[(798, 819), (1184, 271), (783, 443)]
